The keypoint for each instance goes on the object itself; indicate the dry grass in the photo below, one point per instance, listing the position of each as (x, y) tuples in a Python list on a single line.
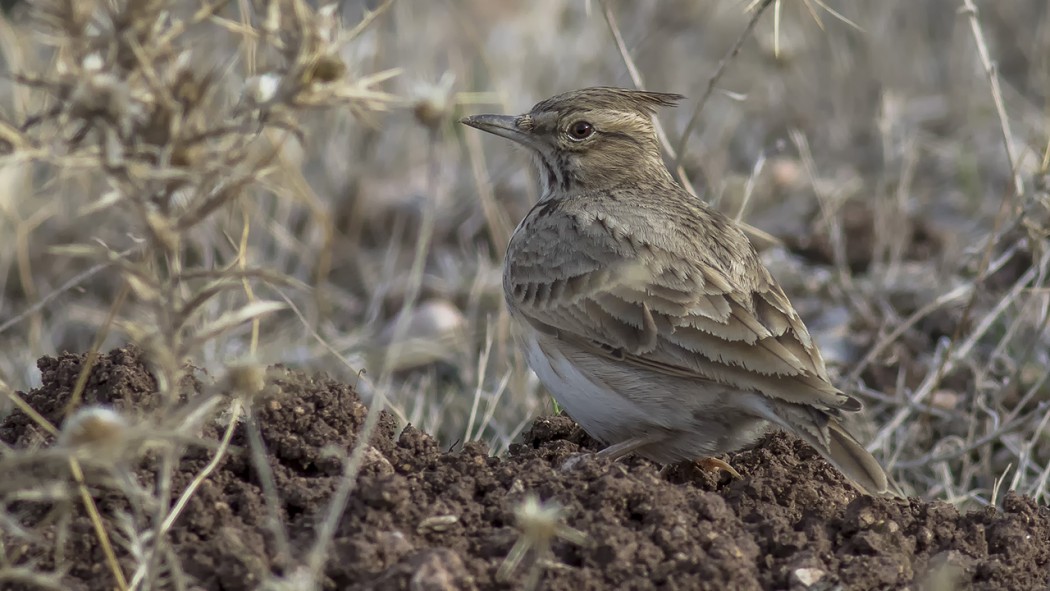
[(245, 182)]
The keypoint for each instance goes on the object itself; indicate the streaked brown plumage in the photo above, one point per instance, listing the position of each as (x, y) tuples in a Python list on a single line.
[(648, 315)]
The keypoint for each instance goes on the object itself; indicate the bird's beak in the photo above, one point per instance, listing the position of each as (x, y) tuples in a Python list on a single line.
[(501, 125)]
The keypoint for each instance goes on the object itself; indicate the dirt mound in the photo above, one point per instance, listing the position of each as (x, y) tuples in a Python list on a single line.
[(421, 518)]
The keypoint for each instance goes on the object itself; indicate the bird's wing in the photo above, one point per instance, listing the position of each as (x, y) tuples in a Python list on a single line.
[(673, 299)]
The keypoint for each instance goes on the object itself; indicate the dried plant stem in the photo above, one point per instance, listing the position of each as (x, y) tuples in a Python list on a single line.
[(198, 480), (315, 560), (362, 25), (761, 238), (992, 72), (934, 458), (636, 78), (25, 272), (242, 263), (829, 205), (37, 418), (495, 216), (352, 466), (1004, 123), (268, 483), (96, 522), (949, 355), (483, 364), (993, 80), (986, 265), (92, 354), (723, 63), (72, 283)]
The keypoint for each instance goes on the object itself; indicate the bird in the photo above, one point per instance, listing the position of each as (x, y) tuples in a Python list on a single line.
[(646, 313)]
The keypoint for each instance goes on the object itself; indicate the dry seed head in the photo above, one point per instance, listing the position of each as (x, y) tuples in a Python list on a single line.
[(92, 63), (432, 320), (539, 521), (187, 85), (102, 93), (326, 68), (433, 103), (99, 93), (162, 230), (143, 290), (539, 524), (329, 11), (244, 379), (262, 89), (327, 23), (96, 427)]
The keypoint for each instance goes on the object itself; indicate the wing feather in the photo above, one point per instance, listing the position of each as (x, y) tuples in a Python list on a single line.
[(673, 303)]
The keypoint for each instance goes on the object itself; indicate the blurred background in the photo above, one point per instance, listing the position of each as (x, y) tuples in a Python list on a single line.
[(286, 182)]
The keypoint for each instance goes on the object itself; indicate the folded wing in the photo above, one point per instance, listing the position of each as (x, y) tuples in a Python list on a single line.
[(663, 304)]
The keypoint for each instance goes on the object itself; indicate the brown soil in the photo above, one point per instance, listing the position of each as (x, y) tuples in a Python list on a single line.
[(421, 518)]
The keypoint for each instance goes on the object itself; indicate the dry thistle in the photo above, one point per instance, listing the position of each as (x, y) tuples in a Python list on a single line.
[(262, 89), (138, 119), (539, 523), (325, 68), (97, 430), (244, 379), (432, 104)]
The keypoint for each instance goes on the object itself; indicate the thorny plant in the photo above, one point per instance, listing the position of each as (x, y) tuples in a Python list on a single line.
[(157, 150), (539, 525), (172, 147)]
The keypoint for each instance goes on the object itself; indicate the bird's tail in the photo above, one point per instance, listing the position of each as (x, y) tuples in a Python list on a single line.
[(826, 435)]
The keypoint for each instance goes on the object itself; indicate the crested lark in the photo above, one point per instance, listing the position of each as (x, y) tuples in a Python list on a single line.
[(648, 315)]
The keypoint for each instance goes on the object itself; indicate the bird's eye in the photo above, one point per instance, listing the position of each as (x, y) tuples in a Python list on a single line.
[(581, 130)]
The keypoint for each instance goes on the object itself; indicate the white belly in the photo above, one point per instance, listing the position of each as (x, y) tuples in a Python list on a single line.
[(598, 408), (614, 403)]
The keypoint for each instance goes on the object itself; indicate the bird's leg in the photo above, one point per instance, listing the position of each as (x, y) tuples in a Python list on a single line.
[(707, 465), (614, 451), (619, 450)]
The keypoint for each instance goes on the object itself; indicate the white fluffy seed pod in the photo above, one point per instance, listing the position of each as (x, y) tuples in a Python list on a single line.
[(262, 89), (96, 429), (244, 379)]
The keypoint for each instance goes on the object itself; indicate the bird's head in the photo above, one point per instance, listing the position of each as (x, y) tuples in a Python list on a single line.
[(587, 139)]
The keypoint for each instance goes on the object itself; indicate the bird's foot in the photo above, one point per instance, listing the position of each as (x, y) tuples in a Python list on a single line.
[(714, 465), (717, 465)]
